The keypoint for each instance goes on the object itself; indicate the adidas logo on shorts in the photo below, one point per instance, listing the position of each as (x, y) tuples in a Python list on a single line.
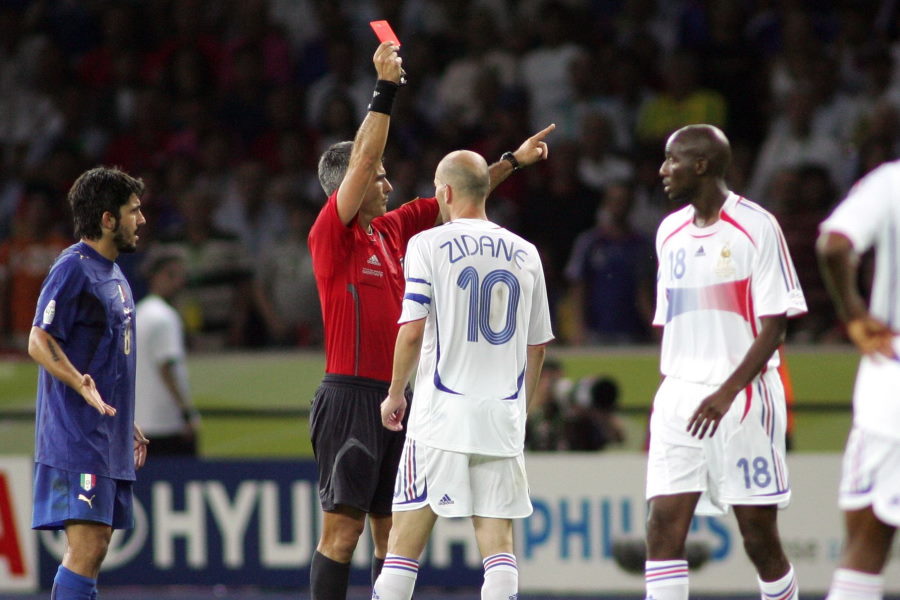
[(373, 260), (445, 500)]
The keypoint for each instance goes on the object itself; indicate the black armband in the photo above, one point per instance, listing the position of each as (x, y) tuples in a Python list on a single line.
[(383, 96)]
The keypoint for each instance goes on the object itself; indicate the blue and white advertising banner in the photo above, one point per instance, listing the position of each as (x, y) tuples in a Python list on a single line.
[(257, 523)]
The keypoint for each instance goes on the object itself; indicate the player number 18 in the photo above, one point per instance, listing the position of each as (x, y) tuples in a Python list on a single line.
[(757, 472)]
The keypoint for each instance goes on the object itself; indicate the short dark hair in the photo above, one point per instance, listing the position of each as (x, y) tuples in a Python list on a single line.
[(333, 166), (100, 190), (158, 258)]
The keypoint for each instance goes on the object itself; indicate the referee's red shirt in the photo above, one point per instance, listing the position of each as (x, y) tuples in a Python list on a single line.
[(360, 281)]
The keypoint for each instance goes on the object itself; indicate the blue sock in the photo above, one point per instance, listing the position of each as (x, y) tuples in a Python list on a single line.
[(72, 586)]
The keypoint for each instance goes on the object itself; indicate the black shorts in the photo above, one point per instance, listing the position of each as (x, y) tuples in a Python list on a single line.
[(356, 455)]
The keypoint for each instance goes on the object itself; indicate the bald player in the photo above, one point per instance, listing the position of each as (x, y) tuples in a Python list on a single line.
[(726, 287), (479, 290)]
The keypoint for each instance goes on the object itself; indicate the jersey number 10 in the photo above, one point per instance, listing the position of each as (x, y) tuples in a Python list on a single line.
[(480, 299)]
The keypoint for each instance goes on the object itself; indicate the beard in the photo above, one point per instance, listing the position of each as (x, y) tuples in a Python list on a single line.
[(123, 244)]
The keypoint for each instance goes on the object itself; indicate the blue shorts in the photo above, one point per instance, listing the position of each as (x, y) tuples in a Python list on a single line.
[(61, 496)]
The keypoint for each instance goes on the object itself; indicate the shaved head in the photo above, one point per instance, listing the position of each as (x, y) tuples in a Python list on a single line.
[(467, 173), (704, 141)]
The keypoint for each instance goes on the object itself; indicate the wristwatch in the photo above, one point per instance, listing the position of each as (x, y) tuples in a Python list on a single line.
[(512, 160)]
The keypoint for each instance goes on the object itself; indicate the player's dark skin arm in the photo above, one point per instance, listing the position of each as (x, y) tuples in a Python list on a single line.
[(46, 351), (711, 410), (838, 263)]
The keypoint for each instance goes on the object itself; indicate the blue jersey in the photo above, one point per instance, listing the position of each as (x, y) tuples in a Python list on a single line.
[(87, 306)]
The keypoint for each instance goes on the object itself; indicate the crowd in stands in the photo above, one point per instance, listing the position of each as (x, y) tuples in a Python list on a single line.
[(223, 107)]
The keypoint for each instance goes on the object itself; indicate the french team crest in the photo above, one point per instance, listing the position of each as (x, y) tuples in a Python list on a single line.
[(88, 481)]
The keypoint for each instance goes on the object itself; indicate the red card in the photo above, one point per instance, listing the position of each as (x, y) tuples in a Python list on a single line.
[(384, 32)]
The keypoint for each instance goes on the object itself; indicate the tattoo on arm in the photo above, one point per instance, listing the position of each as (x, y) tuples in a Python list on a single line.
[(52, 347)]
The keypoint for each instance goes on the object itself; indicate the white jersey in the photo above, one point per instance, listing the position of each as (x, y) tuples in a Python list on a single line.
[(159, 339), (870, 217), (714, 284), (482, 290)]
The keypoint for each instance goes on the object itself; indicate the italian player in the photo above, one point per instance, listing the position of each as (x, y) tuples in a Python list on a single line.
[(725, 289), (87, 445)]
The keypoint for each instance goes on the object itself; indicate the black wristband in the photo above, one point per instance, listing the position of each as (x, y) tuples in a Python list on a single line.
[(383, 96), (512, 160)]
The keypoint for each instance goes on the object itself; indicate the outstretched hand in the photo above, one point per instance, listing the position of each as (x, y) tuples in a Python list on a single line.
[(534, 148), (392, 411), (88, 390)]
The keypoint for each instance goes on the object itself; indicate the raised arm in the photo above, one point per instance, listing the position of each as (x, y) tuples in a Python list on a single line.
[(371, 137), (532, 150), (46, 351)]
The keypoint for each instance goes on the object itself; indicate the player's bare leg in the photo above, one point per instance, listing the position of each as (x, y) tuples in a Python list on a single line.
[(495, 542), (759, 529), (380, 527), (666, 570), (86, 546), (866, 549), (868, 541), (408, 537), (330, 570)]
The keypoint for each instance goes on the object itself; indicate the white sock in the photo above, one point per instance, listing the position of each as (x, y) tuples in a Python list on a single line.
[(501, 577), (780, 589), (666, 579), (847, 584), (397, 578)]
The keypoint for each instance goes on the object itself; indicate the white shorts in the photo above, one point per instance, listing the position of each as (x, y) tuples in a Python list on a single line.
[(742, 464), (456, 484), (871, 475)]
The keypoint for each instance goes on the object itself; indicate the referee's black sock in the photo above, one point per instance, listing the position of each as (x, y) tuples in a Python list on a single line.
[(328, 578), (377, 563)]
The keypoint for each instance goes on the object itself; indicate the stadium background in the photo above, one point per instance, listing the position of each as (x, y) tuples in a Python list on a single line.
[(189, 93)]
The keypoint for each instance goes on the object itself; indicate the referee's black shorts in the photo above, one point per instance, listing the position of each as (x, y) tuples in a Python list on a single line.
[(356, 455)]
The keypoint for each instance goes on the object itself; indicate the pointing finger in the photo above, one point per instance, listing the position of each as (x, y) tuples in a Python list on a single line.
[(543, 132)]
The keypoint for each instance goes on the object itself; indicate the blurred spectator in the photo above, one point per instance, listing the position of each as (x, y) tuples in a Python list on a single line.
[(805, 197), (249, 212), (792, 141), (162, 394), (610, 273), (681, 102), (545, 68), (592, 423), (284, 288), (456, 92), (544, 426), (216, 302), (598, 165), (341, 80), (25, 260)]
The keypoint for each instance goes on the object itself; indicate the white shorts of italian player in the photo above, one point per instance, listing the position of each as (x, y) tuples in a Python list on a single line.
[(742, 464), (456, 484)]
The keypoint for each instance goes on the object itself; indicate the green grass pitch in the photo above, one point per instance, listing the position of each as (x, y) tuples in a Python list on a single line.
[(287, 381)]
